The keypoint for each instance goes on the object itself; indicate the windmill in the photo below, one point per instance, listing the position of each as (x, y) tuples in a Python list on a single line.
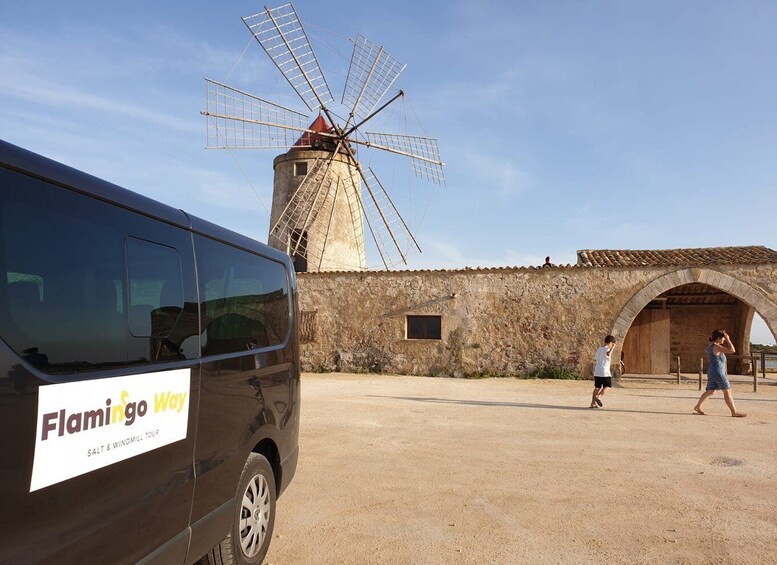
[(329, 204)]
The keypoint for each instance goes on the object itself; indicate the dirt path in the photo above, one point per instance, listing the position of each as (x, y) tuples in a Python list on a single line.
[(445, 471)]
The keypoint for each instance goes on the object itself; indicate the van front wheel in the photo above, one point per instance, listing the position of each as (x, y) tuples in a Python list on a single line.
[(249, 539)]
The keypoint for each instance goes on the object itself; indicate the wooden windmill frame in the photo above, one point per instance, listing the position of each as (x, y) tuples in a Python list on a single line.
[(239, 120)]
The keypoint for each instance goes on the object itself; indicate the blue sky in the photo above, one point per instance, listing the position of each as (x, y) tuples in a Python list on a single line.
[(564, 125)]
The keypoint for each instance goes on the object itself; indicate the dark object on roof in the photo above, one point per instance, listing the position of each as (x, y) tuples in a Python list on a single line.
[(697, 257)]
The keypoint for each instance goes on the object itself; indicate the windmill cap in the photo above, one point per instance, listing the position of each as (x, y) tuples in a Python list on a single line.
[(312, 139)]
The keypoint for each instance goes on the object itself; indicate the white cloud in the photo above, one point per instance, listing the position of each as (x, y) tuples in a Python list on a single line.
[(493, 173), (56, 95), (218, 189), (440, 252), (219, 63), (23, 69)]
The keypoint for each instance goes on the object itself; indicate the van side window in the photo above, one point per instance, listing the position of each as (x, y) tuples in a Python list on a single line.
[(156, 301), (64, 283), (155, 288), (245, 299)]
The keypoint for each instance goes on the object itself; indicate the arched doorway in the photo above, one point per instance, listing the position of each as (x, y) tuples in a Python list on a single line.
[(672, 329), (672, 316)]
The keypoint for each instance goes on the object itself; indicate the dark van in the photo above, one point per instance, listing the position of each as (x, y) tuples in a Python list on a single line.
[(149, 376)]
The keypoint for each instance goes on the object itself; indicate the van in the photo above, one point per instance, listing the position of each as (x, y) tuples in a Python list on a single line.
[(149, 376)]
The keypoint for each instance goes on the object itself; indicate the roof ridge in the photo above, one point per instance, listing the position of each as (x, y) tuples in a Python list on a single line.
[(691, 256)]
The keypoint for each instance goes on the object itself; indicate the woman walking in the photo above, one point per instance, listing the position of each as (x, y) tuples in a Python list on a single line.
[(717, 378)]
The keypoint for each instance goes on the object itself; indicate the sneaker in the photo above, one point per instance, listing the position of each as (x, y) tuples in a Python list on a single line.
[(599, 402)]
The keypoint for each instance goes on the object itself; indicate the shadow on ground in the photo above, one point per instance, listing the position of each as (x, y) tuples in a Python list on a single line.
[(521, 405)]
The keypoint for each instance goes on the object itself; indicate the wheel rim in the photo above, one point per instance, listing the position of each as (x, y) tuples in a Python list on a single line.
[(254, 515)]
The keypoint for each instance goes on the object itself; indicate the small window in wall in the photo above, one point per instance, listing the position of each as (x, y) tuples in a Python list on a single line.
[(424, 327), (300, 169)]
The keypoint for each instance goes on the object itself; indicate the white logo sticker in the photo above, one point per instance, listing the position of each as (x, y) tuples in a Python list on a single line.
[(87, 425)]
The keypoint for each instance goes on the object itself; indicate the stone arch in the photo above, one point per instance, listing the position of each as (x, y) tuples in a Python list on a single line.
[(741, 290)]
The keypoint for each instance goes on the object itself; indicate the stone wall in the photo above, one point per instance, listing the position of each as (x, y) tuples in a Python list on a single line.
[(501, 321)]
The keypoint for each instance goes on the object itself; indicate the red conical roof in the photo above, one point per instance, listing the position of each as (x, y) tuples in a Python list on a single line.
[(314, 140)]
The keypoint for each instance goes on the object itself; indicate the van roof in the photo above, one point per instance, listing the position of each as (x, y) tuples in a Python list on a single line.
[(16, 158)]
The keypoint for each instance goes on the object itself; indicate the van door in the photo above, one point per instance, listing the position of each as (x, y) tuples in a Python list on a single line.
[(99, 378), (248, 373)]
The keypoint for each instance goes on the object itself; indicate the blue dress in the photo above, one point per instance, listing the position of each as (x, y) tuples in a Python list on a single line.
[(716, 371)]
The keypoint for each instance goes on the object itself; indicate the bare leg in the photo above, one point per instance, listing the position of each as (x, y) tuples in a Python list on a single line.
[(598, 393), (594, 396), (729, 398), (705, 395)]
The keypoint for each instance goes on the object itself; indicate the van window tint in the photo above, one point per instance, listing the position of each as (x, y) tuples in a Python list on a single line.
[(155, 288), (64, 301), (245, 299)]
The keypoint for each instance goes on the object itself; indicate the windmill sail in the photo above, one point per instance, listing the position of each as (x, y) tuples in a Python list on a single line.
[(388, 230), (323, 215), (299, 225), (422, 151), (239, 120), (283, 38), (371, 73), (327, 218)]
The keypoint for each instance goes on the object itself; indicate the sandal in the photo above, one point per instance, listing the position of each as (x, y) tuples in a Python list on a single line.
[(599, 402)]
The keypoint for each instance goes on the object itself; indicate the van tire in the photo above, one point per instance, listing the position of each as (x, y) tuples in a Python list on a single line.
[(257, 488)]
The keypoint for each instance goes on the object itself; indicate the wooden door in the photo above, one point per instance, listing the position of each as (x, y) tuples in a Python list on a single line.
[(646, 348)]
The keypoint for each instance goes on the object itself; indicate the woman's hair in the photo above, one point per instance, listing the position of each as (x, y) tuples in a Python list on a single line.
[(716, 334)]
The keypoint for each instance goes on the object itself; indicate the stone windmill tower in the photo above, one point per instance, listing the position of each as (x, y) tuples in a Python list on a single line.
[(323, 242), (329, 212)]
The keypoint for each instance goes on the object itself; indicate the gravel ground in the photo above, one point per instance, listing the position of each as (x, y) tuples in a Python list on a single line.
[(397, 469)]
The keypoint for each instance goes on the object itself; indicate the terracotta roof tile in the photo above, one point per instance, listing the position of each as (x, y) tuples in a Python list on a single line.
[(751, 255)]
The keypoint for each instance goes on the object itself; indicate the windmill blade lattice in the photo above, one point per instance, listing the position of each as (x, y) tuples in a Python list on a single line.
[(370, 75), (340, 208), (283, 38), (304, 226), (356, 210), (307, 202), (422, 151), (388, 230), (305, 223), (238, 120)]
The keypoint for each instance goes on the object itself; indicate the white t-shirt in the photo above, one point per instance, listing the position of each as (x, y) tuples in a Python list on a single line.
[(602, 368)]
